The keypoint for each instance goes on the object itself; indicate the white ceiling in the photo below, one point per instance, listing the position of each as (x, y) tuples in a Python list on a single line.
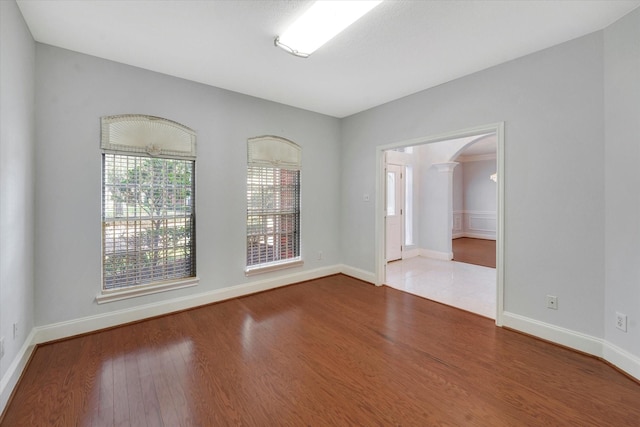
[(399, 48), (485, 144)]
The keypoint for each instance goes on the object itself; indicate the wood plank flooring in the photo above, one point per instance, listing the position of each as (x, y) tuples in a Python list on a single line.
[(474, 251), (332, 351)]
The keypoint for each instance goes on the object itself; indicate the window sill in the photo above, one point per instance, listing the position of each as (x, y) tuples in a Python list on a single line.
[(110, 296), (274, 266)]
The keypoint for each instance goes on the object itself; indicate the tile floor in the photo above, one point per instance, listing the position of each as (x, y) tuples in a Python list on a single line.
[(466, 286)]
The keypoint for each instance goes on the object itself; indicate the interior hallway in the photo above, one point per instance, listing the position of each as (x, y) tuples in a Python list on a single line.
[(465, 286)]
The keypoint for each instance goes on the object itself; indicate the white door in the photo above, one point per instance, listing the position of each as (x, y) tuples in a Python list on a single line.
[(393, 213)]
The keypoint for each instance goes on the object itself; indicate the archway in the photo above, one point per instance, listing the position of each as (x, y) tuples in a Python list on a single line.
[(443, 162)]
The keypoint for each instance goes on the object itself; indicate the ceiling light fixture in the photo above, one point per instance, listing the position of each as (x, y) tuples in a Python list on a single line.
[(320, 23)]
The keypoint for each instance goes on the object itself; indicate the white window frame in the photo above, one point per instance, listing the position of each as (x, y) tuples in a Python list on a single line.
[(138, 138), (273, 157)]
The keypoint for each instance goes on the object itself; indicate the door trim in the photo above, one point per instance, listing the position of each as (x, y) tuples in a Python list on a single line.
[(399, 205), (381, 263)]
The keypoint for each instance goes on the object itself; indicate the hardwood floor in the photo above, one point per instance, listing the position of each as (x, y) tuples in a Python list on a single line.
[(332, 351), (474, 251)]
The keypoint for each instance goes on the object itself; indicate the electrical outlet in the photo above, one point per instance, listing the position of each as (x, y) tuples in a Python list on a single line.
[(319, 255), (621, 321), (15, 330), (1, 347), (552, 302)]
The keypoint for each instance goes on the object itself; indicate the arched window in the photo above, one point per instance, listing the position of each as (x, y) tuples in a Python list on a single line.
[(273, 204), (148, 206)]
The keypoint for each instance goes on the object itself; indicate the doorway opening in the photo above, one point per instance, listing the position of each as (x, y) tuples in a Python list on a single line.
[(435, 212)]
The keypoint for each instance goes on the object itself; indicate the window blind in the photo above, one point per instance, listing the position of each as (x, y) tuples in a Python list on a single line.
[(273, 201), (148, 201), (148, 221), (273, 215)]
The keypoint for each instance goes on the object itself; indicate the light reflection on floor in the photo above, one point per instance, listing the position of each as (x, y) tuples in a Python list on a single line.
[(466, 286)]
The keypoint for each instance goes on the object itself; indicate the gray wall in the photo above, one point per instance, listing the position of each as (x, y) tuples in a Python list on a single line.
[(552, 105), (622, 155), (479, 190), (74, 90), (17, 67), (565, 109)]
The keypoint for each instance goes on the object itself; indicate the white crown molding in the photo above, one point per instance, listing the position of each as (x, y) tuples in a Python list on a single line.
[(476, 158), (447, 167), (487, 213)]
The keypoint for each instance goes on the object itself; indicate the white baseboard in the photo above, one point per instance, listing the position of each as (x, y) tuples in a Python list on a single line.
[(363, 275), (597, 347), (101, 321), (11, 377), (60, 330), (622, 359), (410, 253), (428, 253), (484, 236), (556, 334)]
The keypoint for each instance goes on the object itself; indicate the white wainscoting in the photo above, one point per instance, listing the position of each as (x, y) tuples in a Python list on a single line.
[(458, 225), (475, 224)]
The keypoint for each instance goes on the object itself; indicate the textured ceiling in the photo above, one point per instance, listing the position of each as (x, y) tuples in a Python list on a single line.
[(399, 48)]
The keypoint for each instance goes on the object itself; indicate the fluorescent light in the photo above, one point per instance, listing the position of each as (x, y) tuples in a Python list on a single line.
[(320, 23)]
